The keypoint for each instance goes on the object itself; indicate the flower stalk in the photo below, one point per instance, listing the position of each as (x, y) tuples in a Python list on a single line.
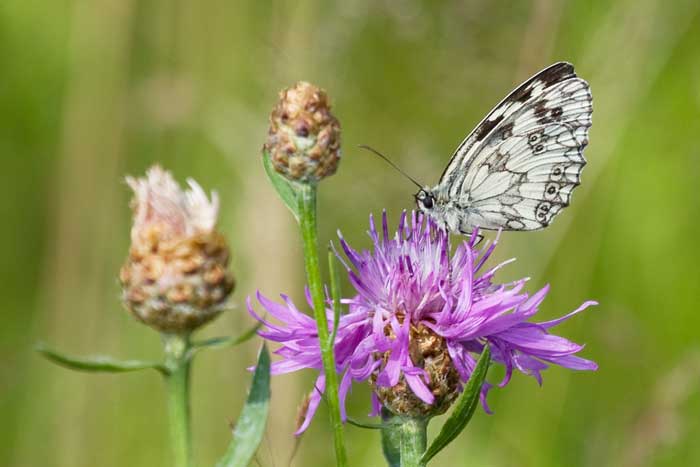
[(391, 438), (177, 381), (404, 439), (414, 439), (309, 232)]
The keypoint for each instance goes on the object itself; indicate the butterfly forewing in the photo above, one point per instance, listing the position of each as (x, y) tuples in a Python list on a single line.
[(517, 169)]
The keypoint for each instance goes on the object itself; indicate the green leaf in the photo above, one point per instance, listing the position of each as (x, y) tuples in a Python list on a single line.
[(97, 363), (371, 426), (284, 187), (223, 341), (464, 408), (250, 426), (335, 294)]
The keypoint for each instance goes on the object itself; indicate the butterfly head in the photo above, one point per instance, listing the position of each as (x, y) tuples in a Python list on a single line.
[(425, 200)]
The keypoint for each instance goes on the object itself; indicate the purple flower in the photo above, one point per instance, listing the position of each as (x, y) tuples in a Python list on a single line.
[(419, 320)]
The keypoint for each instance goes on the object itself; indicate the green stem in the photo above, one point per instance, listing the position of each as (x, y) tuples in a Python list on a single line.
[(391, 439), (414, 438), (307, 222), (404, 440), (177, 383)]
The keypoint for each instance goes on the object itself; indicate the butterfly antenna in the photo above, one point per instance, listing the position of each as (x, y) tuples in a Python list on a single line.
[(386, 159)]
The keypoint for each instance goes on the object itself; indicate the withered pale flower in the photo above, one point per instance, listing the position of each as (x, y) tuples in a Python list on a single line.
[(175, 278)]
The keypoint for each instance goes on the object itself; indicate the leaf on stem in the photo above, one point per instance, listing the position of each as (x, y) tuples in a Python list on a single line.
[(224, 341), (464, 409), (250, 426), (284, 188), (97, 363), (368, 425), (335, 294)]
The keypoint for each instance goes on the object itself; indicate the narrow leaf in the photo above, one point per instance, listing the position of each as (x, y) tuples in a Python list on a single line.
[(224, 341), (371, 426), (464, 408), (97, 363), (284, 187), (250, 426), (335, 293)]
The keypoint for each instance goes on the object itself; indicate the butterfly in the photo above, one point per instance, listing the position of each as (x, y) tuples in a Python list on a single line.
[(517, 169)]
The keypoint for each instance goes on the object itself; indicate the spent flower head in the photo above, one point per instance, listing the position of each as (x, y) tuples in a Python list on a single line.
[(419, 319), (303, 141), (175, 278)]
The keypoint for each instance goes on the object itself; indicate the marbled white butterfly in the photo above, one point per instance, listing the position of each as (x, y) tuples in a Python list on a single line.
[(517, 169)]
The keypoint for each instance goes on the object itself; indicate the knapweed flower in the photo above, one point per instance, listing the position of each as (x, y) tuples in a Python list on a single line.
[(419, 320), (303, 141), (175, 278)]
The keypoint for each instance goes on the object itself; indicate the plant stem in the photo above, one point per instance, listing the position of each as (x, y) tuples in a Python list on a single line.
[(391, 439), (177, 382), (309, 233), (404, 440), (414, 438)]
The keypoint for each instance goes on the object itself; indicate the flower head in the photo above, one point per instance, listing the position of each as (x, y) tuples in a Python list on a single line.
[(175, 277), (303, 141), (419, 319)]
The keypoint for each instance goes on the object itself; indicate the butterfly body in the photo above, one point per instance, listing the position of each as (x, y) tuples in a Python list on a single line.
[(518, 168), (450, 212)]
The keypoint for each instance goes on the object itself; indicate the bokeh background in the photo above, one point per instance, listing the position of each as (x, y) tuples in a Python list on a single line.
[(93, 90)]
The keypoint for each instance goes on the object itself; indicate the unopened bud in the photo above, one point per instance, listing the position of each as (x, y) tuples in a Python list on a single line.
[(303, 141)]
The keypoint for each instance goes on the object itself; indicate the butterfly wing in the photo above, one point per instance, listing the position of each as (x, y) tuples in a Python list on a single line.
[(517, 169)]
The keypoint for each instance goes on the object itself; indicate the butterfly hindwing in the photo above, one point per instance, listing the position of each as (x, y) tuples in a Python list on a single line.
[(517, 169)]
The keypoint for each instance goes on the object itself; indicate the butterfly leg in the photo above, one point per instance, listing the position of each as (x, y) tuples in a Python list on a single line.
[(479, 237)]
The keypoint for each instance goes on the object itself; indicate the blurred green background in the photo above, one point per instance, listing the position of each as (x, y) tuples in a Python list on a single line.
[(93, 90)]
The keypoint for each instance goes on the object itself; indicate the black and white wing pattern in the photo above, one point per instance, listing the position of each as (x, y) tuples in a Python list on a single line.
[(518, 168)]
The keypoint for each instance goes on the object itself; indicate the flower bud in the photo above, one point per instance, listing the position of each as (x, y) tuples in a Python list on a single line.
[(428, 351), (303, 141), (175, 278)]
